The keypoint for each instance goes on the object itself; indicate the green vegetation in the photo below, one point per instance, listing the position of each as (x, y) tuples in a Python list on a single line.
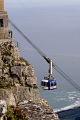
[(15, 113), (23, 60), (4, 66), (8, 52), (27, 75), (35, 86), (10, 115), (4, 84)]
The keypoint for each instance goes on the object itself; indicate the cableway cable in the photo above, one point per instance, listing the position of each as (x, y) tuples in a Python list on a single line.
[(28, 40), (44, 56), (66, 77)]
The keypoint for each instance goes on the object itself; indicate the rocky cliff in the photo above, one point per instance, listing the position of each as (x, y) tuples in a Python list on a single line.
[(19, 94)]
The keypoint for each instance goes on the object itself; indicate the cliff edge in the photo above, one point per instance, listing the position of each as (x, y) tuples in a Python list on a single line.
[(19, 94)]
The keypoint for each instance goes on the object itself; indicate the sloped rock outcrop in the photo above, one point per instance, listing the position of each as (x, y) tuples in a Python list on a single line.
[(19, 94)]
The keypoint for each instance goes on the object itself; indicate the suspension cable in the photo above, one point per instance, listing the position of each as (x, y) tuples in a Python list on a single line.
[(26, 38), (44, 56), (66, 77)]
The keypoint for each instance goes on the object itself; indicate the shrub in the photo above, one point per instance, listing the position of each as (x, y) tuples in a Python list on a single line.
[(23, 60), (35, 86), (15, 113), (4, 84), (19, 114), (10, 115), (8, 52)]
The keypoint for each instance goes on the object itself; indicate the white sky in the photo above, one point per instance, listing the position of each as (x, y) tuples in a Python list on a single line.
[(38, 3)]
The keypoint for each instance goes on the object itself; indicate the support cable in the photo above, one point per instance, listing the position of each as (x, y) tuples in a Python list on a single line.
[(44, 56), (66, 77), (28, 40)]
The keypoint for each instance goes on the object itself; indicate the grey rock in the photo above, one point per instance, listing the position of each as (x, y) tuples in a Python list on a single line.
[(3, 109), (37, 112), (23, 92)]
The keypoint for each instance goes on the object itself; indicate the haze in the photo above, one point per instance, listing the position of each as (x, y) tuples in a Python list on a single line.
[(40, 3)]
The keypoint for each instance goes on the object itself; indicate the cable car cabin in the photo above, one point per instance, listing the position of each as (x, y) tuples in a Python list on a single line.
[(48, 84)]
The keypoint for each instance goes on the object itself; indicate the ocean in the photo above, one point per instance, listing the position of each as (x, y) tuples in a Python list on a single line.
[(56, 31)]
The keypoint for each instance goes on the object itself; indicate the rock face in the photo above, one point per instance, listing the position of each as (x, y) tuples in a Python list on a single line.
[(37, 111), (18, 87)]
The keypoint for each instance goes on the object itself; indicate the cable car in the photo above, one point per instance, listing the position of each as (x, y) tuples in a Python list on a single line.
[(48, 84)]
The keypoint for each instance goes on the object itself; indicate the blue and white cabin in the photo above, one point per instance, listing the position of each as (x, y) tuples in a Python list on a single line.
[(48, 84)]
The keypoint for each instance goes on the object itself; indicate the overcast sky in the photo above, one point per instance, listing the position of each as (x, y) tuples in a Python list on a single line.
[(39, 3)]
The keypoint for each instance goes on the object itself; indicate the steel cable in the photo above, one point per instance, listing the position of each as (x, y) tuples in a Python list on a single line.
[(44, 56)]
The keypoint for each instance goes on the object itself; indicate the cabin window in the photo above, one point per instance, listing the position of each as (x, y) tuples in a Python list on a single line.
[(43, 83), (52, 84), (46, 84), (1, 23)]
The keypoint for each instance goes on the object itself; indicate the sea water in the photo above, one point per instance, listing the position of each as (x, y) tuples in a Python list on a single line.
[(56, 31)]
